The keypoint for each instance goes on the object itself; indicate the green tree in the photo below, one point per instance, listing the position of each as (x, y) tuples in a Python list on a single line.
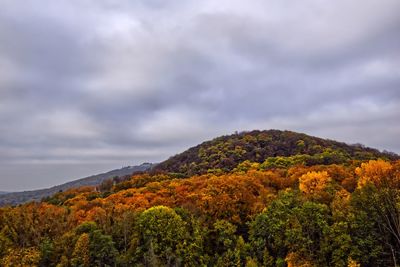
[(161, 235), (373, 226), (306, 231), (268, 230), (225, 236), (47, 253), (101, 247)]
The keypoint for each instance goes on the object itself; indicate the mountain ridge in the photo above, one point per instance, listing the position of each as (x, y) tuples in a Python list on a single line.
[(15, 198)]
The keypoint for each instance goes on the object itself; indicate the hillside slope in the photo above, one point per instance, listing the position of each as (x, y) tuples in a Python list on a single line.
[(16, 198), (294, 209), (226, 152)]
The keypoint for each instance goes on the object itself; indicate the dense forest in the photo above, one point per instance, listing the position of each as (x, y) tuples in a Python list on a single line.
[(261, 198)]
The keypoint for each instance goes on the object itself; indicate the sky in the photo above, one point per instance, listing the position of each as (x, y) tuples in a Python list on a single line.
[(91, 85)]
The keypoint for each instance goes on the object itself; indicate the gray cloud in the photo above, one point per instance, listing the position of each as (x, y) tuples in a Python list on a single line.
[(90, 85)]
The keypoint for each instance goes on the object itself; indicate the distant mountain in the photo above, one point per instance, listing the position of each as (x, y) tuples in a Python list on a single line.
[(226, 152), (3, 192), (16, 198)]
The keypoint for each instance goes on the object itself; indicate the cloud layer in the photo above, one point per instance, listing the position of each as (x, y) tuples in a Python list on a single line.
[(90, 85)]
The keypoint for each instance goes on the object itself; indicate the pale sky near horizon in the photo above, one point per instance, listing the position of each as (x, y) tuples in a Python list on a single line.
[(91, 85)]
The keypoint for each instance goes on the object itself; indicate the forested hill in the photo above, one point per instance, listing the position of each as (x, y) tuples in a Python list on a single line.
[(226, 152), (290, 200)]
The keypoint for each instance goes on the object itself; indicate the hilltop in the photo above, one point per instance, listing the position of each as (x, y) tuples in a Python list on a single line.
[(226, 152)]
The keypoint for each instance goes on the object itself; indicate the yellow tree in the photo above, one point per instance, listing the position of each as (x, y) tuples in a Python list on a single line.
[(373, 172), (312, 183), (81, 256)]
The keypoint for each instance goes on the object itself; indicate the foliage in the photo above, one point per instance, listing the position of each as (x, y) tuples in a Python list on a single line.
[(22, 257), (374, 172), (81, 254), (267, 199), (273, 148)]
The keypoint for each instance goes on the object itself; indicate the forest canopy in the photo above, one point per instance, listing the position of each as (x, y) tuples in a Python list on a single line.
[(289, 202)]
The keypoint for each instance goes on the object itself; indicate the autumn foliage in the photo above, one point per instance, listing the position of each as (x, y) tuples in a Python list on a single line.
[(313, 182), (253, 215), (374, 172)]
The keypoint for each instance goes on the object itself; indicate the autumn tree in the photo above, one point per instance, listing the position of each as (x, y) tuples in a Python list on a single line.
[(21, 257), (375, 172), (314, 184), (81, 254)]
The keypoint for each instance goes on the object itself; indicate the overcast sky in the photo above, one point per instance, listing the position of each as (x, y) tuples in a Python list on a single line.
[(88, 86)]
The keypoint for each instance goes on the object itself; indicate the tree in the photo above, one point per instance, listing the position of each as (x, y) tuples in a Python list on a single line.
[(268, 230), (374, 171), (306, 232), (102, 250), (81, 254), (21, 257), (101, 247), (161, 235), (6, 243), (368, 243), (314, 182), (379, 195), (47, 253), (225, 236), (338, 244)]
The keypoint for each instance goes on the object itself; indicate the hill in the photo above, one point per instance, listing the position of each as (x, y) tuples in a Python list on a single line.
[(226, 152), (285, 199), (16, 198)]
